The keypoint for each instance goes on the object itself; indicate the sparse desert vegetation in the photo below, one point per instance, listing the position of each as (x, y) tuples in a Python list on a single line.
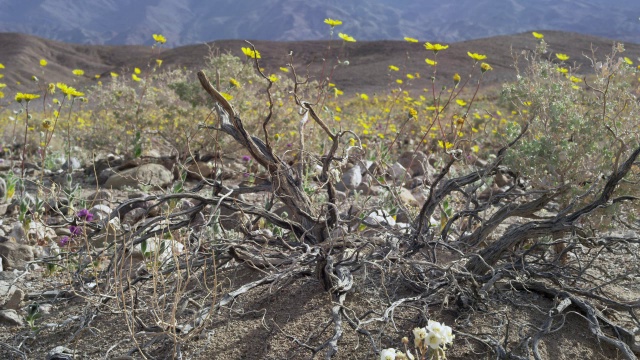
[(265, 212)]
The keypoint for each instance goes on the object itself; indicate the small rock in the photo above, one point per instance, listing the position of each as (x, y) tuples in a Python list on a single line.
[(379, 217), (17, 233), (60, 353), (4, 208), (14, 255), (100, 211), (199, 170), (45, 309), (398, 173), (407, 197), (416, 162), (154, 175), (8, 275), (350, 178), (10, 317), (14, 300), (104, 175), (134, 216), (100, 197)]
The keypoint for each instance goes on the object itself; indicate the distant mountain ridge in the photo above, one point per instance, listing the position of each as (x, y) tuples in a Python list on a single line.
[(122, 22)]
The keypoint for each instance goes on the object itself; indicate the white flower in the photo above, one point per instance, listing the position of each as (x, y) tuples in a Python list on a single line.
[(434, 340), (388, 354), (448, 335), (435, 327), (419, 335)]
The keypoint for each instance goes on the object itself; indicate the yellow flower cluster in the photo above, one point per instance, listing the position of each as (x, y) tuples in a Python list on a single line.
[(20, 97), (159, 38), (69, 91), (250, 53), (332, 22), (346, 37)]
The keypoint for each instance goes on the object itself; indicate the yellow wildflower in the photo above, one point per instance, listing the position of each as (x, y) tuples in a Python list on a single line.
[(445, 144), (435, 47), (346, 37), (51, 88), (461, 102), (97, 76), (114, 74), (430, 62), (563, 70), (332, 22), (47, 124), (78, 72), (159, 39), (628, 61), (43, 62), (1, 95), (137, 71), (338, 92), (476, 56), (135, 78), (273, 78), (410, 76), (562, 57), (250, 53), (228, 97), (475, 148), (68, 90), (537, 35), (456, 79), (1, 66), (235, 83), (485, 67), (159, 62), (393, 68), (575, 79), (399, 81), (410, 39), (284, 69), (3, 85), (364, 97), (26, 97)]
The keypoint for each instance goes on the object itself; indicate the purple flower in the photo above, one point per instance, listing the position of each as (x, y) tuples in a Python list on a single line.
[(84, 214), (246, 158), (64, 241), (75, 230), (246, 174), (289, 145)]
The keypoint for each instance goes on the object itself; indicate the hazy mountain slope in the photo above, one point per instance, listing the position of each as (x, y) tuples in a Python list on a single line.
[(197, 21), (368, 69)]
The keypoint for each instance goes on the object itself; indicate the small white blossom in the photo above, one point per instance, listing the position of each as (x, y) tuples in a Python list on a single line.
[(448, 335), (419, 334), (434, 340), (388, 354), (435, 327)]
